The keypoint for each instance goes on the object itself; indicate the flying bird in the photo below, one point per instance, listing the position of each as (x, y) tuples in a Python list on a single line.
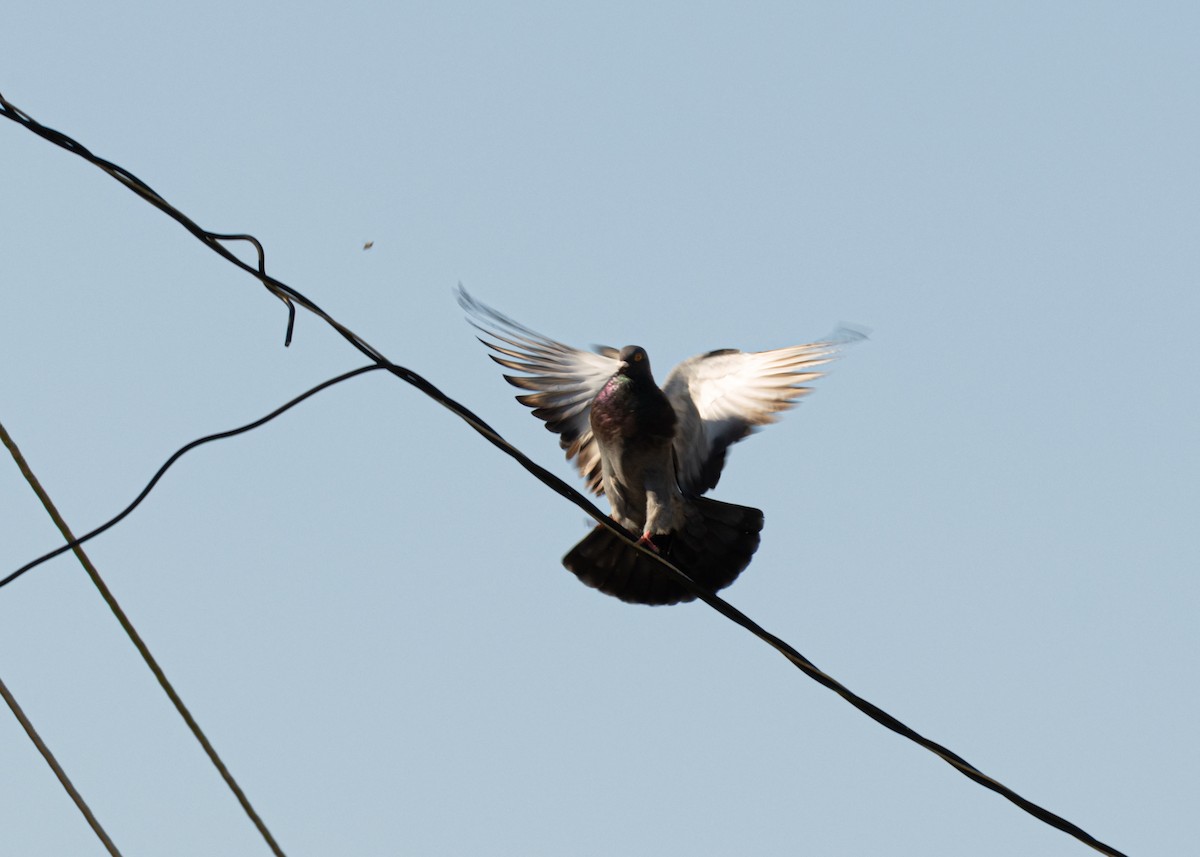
[(653, 452)]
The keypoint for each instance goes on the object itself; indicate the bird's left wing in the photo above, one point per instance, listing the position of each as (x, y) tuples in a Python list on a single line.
[(722, 396), (564, 380)]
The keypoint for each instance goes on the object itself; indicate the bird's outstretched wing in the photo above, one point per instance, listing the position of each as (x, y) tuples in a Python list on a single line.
[(722, 396), (564, 380)]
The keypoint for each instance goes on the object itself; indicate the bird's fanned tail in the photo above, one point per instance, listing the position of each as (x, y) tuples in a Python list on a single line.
[(713, 546)]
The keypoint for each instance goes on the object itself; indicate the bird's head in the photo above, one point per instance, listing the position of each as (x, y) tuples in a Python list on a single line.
[(634, 362)]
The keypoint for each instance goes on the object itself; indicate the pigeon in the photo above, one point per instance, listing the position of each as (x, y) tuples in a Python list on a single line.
[(653, 452)]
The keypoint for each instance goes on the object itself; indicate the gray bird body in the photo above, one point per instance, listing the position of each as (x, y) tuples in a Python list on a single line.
[(633, 425), (652, 452)]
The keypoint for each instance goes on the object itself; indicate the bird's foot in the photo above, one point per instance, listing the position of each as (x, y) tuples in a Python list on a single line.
[(648, 541)]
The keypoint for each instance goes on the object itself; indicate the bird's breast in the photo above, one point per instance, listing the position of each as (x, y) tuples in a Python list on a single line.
[(622, 413)]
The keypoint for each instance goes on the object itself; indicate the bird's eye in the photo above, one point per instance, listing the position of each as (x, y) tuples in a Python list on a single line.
[(638, 356)]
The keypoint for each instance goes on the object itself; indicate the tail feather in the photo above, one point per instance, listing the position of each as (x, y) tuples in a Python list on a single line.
[(712, 547)]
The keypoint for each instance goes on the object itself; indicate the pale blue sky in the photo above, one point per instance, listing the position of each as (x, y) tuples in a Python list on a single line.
[(983, 521)]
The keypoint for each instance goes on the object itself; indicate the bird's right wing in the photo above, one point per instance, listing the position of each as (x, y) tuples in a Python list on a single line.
[(723, 396), (564, 380)]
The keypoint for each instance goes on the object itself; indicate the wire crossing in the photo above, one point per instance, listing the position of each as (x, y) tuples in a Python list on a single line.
[(291, 298), (136, 638), (73, 542)]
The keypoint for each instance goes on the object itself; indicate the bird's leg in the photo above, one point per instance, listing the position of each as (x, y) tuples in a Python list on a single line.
[(664, 507)]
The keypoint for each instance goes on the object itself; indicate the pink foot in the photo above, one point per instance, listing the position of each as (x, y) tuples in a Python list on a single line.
[(648, 541)]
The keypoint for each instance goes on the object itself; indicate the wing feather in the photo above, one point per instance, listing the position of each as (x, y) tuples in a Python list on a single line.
[(722, 396), (563, 380)]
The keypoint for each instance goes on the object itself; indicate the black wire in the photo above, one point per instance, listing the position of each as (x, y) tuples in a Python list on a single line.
[(287, 294), (179, 453), (63, 779), (138, 643)]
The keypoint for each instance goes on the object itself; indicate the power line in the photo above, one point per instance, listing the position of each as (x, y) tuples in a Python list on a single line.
[(120, 516), (111, 600), (290, 297), (58, 771)]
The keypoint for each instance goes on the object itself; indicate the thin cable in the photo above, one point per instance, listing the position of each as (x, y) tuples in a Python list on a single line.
[(111, 600), (120, 516), (58, 771), (285, 292)]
